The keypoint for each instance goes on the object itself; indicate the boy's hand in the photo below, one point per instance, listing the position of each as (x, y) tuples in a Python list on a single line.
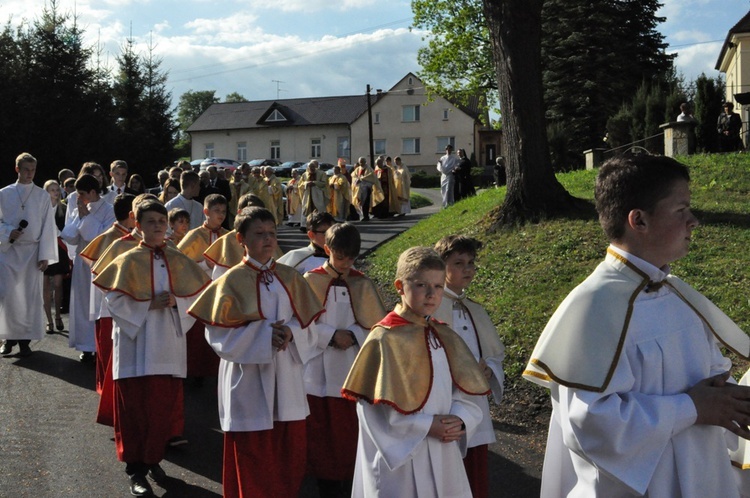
[(162, 300), (281, 335), (343, 339), (446, 428), (722, 404), (487, 371)]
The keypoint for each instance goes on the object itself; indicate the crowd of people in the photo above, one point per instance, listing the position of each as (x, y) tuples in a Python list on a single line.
[(315, 376)]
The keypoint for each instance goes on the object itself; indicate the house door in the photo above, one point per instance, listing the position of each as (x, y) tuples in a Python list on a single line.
[(490, 154)]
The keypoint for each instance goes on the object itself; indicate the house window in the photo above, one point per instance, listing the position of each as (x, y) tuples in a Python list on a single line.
[(379, 146), (443, 142), (411, 80), (410, 113), (343, 149), (315, 146), (376, 119), (209, 148), (410, 146), (275, 149), (446, 113), (242, 152), (276, 116)]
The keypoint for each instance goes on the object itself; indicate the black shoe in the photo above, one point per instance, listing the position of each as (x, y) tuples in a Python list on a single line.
[(87, 357), (157, 474), (25, 349), (139, 486), (7, 347)]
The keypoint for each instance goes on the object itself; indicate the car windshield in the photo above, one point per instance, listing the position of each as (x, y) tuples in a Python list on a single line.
[(256, 162)]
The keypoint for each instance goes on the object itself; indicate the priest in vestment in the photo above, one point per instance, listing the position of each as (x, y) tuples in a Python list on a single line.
[(26, 249), (314, 187)]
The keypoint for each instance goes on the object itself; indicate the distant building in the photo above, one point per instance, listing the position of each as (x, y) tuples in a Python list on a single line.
[(405, 124), (734, 62)]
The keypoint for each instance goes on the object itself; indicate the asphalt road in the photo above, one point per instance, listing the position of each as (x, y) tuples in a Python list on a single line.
[(50, 445)]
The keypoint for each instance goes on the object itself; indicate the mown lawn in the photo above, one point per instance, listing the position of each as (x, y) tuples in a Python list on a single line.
[(525, 272)]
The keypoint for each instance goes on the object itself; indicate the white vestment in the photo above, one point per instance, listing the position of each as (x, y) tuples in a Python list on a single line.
[(396, 457), (462, 322), (194, 208), (259, 385), (303, 259), (21, 305), (326, 372), (638, 437), (79, 232)]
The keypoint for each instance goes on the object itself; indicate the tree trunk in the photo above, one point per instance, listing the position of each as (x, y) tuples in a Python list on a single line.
[(533, 192)]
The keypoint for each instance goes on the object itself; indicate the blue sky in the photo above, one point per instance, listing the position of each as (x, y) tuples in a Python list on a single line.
[(316, 47)]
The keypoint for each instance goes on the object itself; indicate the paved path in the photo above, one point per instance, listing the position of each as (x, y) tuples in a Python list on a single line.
[(50, 445)]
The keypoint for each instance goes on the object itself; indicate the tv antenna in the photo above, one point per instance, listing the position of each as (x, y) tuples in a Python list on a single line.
[(278, 89)]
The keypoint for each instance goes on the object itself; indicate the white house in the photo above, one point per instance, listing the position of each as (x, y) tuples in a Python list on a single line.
[(734, 62)]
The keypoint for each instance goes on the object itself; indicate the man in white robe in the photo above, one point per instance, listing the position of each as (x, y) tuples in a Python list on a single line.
[(190, 184), (312, 255), (24, 254)]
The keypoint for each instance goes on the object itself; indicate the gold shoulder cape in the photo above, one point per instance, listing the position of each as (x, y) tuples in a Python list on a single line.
[(489, 341), (582, 342), (127, 274), (196, 241), (227, 252), (232, 300), (99, 245), (377, 195), (394, 367), (366, 304), (119, 246)]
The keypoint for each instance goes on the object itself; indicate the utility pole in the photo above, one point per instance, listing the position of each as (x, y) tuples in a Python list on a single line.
[(369, 126)]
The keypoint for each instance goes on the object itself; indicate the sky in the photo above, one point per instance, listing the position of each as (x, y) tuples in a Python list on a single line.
[(268, 49)]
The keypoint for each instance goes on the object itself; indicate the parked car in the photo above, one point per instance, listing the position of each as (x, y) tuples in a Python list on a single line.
[(349, 169), (321, 166), (196, 164), (219, 162), (285, 169), (264, 162)]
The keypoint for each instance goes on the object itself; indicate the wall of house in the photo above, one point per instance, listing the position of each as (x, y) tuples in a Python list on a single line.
[(738, 75), (389, 125), (295, 142)]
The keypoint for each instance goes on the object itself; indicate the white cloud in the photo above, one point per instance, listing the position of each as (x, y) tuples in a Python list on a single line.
[(313, 5), (696, 59)]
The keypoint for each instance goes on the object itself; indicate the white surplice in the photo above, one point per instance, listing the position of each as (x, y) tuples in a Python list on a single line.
[(396, 457), (639, 437), (303, 259), (149, 342), (21, 305), (259, 385), (194, 209), (79, 232), (460, 320), (326, 372)]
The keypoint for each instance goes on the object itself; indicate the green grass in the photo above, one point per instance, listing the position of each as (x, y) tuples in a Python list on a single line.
[(525, 273), (419, 201)]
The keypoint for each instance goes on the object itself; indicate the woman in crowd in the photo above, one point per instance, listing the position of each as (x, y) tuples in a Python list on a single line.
[(136, 184), (171, 190), (53, 275)]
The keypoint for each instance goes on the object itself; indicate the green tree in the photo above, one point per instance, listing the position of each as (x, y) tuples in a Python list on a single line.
[(127, 91), (235, 97), (157, 109), (192, 104), (709, 96)]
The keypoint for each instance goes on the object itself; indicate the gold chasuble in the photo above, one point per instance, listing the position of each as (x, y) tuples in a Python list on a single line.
[(126, 273), (197, 240), (119, 246), (394, 367), (366, 304), (227, 252), (101, 242), (233, 300), (582, 342)]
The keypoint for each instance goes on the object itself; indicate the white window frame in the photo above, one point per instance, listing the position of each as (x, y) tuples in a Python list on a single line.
[(242, 152), (275, 117), (410, 146), (275, 149), (446, 114), (414, 109), (376, 119), (379, 146), (316, 148), (343, 148), (209, 150), (443, 142)]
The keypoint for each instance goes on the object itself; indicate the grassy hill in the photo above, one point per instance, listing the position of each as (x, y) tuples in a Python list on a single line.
[(524, 273)]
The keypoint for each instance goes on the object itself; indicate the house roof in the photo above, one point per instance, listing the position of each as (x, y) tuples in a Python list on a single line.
[(472, 108), (296, 112), (743, 26)]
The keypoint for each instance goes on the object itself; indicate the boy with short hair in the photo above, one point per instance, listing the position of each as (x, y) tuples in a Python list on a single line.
[(150, 321), (469, 320), (118, 173), (638, 383), (256, 318), (313, 255), (179, 224), (352, 307), (415, 383), (190, 185)]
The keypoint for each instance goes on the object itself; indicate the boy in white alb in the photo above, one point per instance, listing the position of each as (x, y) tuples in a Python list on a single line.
[(312, 255), (256, 318), (352, 308), (190, 185), (469, 320), (641, 402), (148, 356), (415, 383)]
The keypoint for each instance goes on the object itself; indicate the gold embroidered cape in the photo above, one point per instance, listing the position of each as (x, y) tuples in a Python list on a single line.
[(394, 367), (490, 345), (101, 242), (197, 240), (119, 246), (582, 342), (227, 252), (233, 300), (366, 304), (366, 174), (126, 273)]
